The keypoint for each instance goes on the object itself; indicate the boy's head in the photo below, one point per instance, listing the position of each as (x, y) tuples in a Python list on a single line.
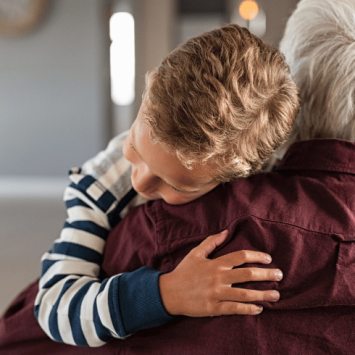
[(219, 104)]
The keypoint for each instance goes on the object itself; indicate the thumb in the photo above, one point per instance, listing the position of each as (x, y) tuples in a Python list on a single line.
[(211, 243)]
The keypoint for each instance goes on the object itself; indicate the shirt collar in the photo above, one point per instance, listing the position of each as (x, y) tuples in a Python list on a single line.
[(320, 154)]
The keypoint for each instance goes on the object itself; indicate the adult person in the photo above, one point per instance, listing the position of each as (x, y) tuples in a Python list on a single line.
[(303, 213)]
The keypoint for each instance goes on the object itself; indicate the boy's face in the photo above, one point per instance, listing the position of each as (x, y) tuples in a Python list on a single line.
[(156, 173)]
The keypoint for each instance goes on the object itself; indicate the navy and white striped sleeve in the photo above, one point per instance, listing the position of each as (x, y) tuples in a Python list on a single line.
[(73, 305)]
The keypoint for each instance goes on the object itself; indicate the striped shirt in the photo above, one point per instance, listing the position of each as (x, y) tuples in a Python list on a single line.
[(73, 304)]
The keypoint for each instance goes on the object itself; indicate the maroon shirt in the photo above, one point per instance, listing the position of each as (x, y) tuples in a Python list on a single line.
[(303, 214)]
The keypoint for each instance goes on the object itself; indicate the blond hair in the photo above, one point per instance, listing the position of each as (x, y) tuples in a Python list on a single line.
[(224, 98), (319, 45)]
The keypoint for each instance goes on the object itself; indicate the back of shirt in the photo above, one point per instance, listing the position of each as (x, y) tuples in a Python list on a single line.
[(302, 215)]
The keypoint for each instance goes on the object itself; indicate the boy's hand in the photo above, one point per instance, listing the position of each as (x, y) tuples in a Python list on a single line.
[(200, 287)]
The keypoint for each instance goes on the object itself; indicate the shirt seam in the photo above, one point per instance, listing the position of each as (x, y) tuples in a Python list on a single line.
[(329, 168), (260, 218)]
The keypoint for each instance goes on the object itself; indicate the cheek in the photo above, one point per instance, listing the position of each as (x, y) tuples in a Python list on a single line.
[(134, 173), (174, 198)]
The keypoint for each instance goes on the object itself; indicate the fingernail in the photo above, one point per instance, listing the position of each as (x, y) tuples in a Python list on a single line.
[(268, 258), (278, 275), (258, 309), (274, 296)]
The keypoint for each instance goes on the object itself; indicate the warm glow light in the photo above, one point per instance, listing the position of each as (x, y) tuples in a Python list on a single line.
[(122, 58), (248, 9)]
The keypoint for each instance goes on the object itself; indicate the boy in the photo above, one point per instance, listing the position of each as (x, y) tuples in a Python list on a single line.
[(214, 110)]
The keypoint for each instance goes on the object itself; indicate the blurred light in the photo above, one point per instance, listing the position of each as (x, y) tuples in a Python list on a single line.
[(258, 25), (122, 58), (248, 9)]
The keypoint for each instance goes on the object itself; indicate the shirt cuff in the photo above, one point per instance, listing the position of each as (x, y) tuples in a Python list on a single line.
[(139, 300)]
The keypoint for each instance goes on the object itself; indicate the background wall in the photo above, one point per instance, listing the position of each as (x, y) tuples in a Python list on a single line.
[(54, 105), (51, 92)]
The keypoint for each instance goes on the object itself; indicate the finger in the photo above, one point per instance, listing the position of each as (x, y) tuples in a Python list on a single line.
[(227, 308), (251, 274), (211, 243), (245, 295), (241, 257)]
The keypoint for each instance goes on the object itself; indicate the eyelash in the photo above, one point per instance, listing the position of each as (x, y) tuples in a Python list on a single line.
[(175, 189), (181, 192)]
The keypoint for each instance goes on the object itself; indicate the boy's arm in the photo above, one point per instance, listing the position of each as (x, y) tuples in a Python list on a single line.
[(73, 306)]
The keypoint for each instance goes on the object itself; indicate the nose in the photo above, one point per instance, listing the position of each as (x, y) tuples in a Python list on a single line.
[(143, 180)]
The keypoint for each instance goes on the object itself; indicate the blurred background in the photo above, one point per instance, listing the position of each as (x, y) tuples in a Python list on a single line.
[(71, 78)]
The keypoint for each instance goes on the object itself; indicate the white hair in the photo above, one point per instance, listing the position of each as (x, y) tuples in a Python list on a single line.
[(319, 45)]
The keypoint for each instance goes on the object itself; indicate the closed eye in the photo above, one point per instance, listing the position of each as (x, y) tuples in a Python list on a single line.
[(174, 188), (180, 191)]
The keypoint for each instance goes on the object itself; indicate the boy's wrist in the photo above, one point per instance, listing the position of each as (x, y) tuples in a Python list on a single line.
[(168, 294)]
